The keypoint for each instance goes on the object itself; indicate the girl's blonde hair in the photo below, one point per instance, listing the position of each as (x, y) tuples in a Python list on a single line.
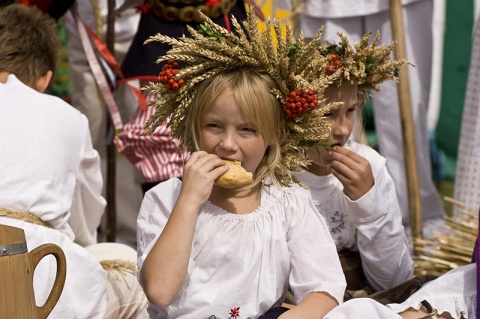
[(251, 89)]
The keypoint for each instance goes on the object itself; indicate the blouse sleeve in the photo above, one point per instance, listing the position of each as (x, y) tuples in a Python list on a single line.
[(381, 239), (153, 216), (315, 265)]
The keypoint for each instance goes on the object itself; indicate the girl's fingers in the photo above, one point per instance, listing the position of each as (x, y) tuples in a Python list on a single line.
[(353, 171), (204, 165)]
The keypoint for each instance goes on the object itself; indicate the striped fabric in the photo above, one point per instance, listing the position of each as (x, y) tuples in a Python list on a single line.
[(155, 156)]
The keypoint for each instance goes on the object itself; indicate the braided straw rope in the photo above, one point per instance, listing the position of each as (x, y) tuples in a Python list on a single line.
[(25, 216)]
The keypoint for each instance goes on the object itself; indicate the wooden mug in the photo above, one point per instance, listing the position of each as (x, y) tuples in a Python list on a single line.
[(17, 266)]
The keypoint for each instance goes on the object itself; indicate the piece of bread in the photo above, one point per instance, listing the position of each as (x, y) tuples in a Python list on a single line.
[(236, 176)]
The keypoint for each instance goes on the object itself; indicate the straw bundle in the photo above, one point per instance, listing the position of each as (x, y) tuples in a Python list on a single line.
[(450, 246), (119, 265), (23, 215)]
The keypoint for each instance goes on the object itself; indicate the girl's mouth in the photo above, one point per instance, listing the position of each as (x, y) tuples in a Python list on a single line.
[(335, 144)]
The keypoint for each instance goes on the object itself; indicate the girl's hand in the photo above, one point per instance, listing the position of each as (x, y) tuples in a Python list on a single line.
[(353, 171), (199, 174)]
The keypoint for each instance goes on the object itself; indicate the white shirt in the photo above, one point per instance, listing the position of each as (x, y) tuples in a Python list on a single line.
[(341, 8), (371, 225), (454, 293), (48, 166), (246, 261)]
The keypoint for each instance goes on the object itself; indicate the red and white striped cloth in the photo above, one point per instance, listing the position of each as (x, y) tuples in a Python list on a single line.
[(156, 155)]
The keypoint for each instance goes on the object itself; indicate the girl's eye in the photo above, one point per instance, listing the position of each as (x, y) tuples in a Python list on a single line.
[(249, 129), (211, 125), (352, 109)]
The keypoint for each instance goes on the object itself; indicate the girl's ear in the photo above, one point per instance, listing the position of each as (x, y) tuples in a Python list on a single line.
[(270, 142), (44, 81)]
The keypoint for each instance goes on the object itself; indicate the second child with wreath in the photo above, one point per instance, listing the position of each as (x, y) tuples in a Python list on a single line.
[(354, 191), (349, 181)]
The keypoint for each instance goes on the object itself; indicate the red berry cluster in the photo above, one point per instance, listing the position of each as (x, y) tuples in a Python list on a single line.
[(335, 63), (299, 102), (167, 76)]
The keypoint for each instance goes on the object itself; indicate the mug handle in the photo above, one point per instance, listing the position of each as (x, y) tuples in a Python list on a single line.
[(35, 256)]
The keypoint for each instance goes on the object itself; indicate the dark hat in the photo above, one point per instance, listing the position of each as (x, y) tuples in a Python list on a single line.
[(140, 58)]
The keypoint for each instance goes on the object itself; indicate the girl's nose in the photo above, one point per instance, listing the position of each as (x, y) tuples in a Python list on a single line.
[(340, 128), (228, 141)]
